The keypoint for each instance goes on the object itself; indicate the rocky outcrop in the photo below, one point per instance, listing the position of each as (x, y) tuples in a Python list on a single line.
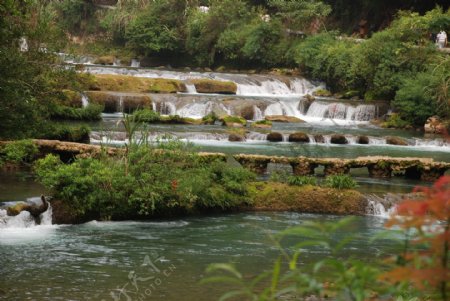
[(396, 141), (319, 138), (214, 86), (120, 102), (275, 137), (338, 139), (435, 125), (299, 137), (236, 137), (362, 140), (282, 118), (34, 209), (124, 83)]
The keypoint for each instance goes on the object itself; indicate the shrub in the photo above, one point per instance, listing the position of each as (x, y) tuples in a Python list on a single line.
[(22, 151), (146, 115), (340, 182), (302, 180), (55, 131), (147, 181), (89, 113), (395, 121)]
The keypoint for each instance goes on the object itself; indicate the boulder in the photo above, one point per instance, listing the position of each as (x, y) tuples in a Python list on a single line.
[(362, 140), (282, 118), (275, 137), (247, 112), (236, 138), (396, 141), (214, 86), (299, 137), (105, 60), (434, 125), (34, 209), (338, 139)]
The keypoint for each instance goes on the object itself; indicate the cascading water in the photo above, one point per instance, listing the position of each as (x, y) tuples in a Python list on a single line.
[(24, 218), (84, 100), (378, 206), (135, 63), (257, 113)]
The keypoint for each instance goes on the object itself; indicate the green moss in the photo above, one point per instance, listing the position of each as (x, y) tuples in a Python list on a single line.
[(308, 199), (322, 93), (214, 86), (396, 122), (262, 124), (210, 119), (71, 98), (351, 94), (123, 83), (234, 121)]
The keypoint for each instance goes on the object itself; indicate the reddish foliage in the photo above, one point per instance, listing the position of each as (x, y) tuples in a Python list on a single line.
[(430, 217)]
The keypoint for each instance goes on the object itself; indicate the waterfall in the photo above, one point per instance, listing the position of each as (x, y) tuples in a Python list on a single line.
[(165, 108), (120, 104), (191, 89), (365, 113), (257, 113), (318, 109), (24, 218), (135, 63), (84, 100), (381, 207), (196, 110)]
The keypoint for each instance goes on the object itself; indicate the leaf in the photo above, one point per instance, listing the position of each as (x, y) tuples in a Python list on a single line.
[(224, 267)]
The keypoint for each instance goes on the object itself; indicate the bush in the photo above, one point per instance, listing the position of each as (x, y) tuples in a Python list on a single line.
[(302, 180), (340, 182), (147, 182), (146, 115), (22, 151), (90, 113), (396, 122), (63, 132)]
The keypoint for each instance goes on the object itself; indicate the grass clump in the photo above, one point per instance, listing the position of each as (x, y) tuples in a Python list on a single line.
[(302, 180), (340, 182), (90, 113)]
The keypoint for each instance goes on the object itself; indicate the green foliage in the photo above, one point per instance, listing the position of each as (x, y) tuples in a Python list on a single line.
[(62, 132), (210, 119), (396, 122), (298, 14), (340, 182), (140, 182), (302, 180), (21, 151), (146, 115), (157, 29), (89, 113)]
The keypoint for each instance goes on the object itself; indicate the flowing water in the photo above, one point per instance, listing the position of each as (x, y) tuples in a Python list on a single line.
[(166, 259)]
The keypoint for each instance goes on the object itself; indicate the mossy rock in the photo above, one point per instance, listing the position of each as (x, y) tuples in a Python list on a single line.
[(396, 141), (234, 121), (247, 112), (105, 60), (299, 137), (111, 101), (175, 119), (275, 137), (319, 138), (362, 140), (123, 83), (338, 139), (262, 124), (214, 86), (322, 93), (234, 137), (71, 99), (282, 118), (17, 208), (274, 196)]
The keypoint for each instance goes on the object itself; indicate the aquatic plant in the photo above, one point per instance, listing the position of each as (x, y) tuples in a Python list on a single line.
[(340, 182)]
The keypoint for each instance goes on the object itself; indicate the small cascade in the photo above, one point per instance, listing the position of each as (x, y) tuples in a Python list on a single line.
[(190, 88), (377, 140), (318, 109), (337, 111), (24, 218), (255, 136), (120, 109), (84, 100), (165, 108), (365, 113), (257, 113), (196, 110), (381, 207), (135, 63)]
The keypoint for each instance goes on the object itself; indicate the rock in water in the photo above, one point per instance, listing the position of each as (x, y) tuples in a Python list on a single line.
[(396, 141), (338, 139), (299, 137), (275, 137), (434, 125)]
